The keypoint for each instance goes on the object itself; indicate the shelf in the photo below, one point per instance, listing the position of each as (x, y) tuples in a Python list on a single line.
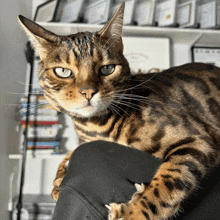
[(177, 35), (51, 156)]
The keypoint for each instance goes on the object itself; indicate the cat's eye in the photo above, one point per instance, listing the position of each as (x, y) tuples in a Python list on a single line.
[(107, 70), (63, 72)]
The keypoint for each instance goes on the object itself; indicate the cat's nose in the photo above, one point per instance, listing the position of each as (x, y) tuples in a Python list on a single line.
[(88, 92)]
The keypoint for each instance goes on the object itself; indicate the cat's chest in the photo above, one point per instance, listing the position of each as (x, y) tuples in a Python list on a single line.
[(144, 133), (114, 129)]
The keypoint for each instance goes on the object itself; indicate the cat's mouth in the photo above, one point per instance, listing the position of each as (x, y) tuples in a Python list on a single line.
[(88, 108)]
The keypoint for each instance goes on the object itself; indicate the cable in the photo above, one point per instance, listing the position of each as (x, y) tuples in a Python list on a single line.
[(30, 59)]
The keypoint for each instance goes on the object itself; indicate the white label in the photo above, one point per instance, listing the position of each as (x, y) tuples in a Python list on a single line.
[(207, 55), (96, 12), (45, 13), (166, 13), (207, 16), (184, 14), (144, 13)]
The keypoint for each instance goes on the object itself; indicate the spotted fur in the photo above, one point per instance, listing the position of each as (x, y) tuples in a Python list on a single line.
[(173, 115)]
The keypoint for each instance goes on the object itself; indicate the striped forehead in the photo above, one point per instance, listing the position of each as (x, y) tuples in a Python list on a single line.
[(82, 44)]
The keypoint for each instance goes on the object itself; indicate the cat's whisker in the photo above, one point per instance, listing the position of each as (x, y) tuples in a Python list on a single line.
[(131, 88), (123, 99), (22, 93), (137, 98), (123, 110), (12, 104), (114, 108), (128, 104), (28, 83)]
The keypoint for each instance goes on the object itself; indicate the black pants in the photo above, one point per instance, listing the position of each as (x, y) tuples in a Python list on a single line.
[(100, 173)]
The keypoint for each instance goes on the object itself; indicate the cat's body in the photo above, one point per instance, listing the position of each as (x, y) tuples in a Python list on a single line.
[(162, 109), (173, 115)]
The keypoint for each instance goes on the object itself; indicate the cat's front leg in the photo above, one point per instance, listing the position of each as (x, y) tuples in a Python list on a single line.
[(143, 205), (59, 176), (173, 182)]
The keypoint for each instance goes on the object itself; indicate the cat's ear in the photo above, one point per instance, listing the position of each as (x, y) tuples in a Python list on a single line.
[(113, 29), (40, 38)]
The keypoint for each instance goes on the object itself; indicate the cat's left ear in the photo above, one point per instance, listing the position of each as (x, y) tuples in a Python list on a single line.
[(113, 29), (40, 38)]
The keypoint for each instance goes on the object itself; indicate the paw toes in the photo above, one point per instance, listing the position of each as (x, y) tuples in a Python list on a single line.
[(66, 164), (114, 210), (140, 188), (55, 194)]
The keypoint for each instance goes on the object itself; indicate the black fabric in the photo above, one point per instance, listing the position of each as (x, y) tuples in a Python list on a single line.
[(100, 173)]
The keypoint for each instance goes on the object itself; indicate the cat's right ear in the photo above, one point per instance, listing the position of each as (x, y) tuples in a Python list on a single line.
[(40, 38), (113, 29)]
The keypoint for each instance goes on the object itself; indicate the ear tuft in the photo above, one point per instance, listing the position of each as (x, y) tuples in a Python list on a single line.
[(114, 27)]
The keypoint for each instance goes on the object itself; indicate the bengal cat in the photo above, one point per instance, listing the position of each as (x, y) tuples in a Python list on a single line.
[(173, 115)]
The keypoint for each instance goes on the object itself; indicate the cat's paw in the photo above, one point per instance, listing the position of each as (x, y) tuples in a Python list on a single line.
[(55, 191), (115, 211), (59, 178), (127, 211)]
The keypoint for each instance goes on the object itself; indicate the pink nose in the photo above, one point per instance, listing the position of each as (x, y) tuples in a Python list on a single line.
[(88, 92)]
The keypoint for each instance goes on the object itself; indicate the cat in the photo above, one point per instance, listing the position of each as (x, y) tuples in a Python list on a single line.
[(173, 115)]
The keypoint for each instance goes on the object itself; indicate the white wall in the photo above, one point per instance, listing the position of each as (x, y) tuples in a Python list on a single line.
[(13, 73), (12, 70)]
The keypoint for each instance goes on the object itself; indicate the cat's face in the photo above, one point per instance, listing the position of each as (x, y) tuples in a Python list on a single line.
[(81, 73)]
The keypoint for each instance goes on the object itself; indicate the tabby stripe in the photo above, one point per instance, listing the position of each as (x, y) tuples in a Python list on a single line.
[(215, 82), (103, 120), (179, 184), (192, 103), (153, 208), (143, 204), (166, 176), (214, 107), (116, 214), (116, 119), (160, 132), (80, 120), (122, 209), (50, 97), (192, 79), (169, 185), (165, 205), (74, 52), (119, 130), (187, 140), (57, 59), (45, 88), (175, 170), (192, 167), (92, 46), (153, 149), (89, 133), (198, 155), (41, 77), (68, 58), (146, 215), (156, 192), (57, 88), (188, 125), (70, 44)]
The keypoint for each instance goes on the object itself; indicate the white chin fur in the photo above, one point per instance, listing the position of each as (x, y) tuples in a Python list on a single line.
[(88, 111)]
